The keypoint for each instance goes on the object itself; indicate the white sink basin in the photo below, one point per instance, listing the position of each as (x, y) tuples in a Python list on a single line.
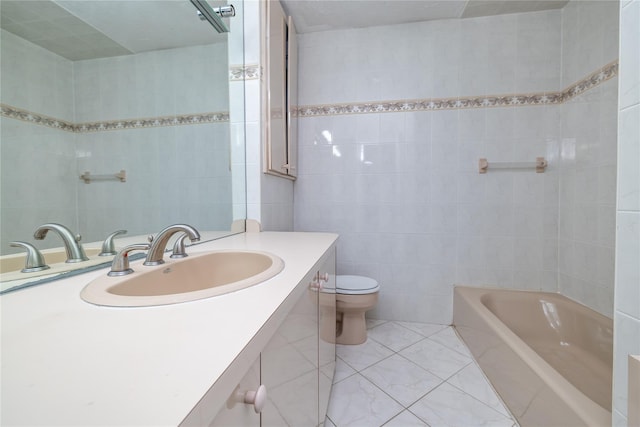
[(196, 277)]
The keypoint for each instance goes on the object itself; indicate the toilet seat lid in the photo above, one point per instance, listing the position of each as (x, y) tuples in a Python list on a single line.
[(355, 285)]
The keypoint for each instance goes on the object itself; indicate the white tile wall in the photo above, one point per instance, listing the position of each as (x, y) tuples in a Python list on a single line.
[(251, 10), (130, 86), (629, 24), (236, 42), (238, 157), (627, 266), (629, 174), (587, 39), (27, 73), (588, 158), (537, 52), (27, 149), (492, 55), (252, 111), (254, 154), (402, 189), (277, 203), (157, 160), (29, 200)]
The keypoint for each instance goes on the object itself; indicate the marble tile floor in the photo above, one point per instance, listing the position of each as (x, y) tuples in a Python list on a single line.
[(412, 374)]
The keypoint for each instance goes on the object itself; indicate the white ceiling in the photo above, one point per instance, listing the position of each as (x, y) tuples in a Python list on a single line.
[(141, 26), (322, 15), (87, 29)]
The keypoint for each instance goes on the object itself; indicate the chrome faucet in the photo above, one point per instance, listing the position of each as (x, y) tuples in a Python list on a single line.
[(159, 244), (75, 252), (34, 261), (120, 264), (108, 247)]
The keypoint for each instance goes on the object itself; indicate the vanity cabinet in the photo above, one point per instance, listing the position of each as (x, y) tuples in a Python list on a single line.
[(193, 356), (279, 91), (297, 363), (290, 364), (235, 412), (326, 331)]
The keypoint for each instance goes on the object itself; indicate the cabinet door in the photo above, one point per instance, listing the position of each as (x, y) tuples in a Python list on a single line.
[(276, 114), (290, 364), (327, 331), (280, 92), (235, 412)]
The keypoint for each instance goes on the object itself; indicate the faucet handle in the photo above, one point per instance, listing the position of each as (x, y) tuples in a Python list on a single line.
[(34, 261), (108, 247), (120, 264), (178, 247)]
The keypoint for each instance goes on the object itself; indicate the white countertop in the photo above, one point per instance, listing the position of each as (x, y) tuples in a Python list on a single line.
[(67, 362)]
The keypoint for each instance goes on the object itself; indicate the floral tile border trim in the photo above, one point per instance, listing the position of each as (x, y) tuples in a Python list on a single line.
[(189, 119), (177, 120), (253, 72), (37, 119), (515, 100), (602, 75), (244, 72)]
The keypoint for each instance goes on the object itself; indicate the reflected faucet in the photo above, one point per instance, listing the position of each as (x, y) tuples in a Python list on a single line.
[(34, 261), (108, 247), (159, 244), (75, 252)]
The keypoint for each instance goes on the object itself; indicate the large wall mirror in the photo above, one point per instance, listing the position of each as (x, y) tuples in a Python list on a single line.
[(102, 87)]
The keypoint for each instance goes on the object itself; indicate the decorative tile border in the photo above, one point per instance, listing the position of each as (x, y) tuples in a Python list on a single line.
[(251, 72), (36, 119), (177, 120), (602, 75), (515, 100), (244, 72), (236, 73), (431, 104), (189, 119)]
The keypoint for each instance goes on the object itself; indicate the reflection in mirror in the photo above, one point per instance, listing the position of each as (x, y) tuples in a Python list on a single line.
[(139, 88)]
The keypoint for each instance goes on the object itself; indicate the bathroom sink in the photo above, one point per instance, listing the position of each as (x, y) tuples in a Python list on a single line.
[(196, 277)]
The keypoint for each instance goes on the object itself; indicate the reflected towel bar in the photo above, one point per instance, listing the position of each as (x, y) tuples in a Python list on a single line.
[(120, 176), (540, 165)]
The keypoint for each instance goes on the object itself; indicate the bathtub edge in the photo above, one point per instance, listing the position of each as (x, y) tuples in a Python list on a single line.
[(584, 409)]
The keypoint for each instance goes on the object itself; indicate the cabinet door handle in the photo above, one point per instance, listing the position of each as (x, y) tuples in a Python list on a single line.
[(315, 285), (257, 398), (324, 277)]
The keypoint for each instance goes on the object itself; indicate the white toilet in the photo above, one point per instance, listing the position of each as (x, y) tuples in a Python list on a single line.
[(354, 296)]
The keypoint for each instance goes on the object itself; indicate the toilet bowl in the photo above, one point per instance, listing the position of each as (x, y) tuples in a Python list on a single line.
[(354, 296)]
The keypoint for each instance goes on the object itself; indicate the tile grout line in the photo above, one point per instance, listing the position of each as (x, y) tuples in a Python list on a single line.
[(441, 380)]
